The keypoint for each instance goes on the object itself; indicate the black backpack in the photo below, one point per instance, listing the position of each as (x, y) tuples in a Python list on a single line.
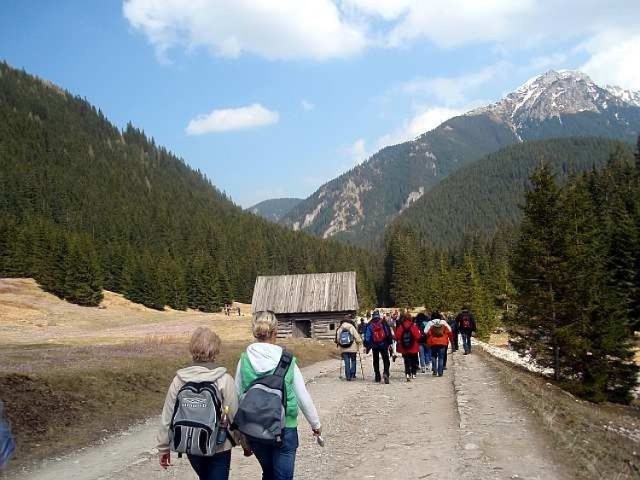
[(262, 408), (407, 337)]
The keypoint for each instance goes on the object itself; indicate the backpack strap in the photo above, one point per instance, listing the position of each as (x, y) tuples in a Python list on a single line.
[(283, 364)]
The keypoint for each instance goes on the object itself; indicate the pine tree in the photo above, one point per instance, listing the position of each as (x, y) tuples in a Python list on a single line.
[(538, 266), (82, 281)]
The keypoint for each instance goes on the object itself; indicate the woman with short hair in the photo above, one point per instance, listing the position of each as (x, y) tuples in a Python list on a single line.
[(204, 348), (260, 359)]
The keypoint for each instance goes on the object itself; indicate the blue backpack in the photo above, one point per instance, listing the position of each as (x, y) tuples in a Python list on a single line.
[(7, 443)]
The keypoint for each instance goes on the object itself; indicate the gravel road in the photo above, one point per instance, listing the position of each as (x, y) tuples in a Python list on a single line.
[(464, 425)]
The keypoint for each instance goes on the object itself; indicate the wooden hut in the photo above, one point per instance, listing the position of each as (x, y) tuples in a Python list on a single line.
[(310, 305)]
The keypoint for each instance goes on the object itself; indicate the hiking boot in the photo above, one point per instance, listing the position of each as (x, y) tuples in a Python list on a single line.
[(386, 378), (413, 375), (408, 377), (377, 380), (439, 374), (434, 373), (424, 370)]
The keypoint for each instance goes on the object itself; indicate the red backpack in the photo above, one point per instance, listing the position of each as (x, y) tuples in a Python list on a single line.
[(378, 333), (465, 322)]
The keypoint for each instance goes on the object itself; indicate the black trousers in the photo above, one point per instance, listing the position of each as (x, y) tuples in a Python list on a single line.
[(454, 343), (376, 362), (410, 363)]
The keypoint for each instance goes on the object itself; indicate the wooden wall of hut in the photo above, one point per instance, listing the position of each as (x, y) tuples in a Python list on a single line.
[(320, 326)]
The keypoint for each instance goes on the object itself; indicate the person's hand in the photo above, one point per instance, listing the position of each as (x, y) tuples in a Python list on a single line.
[(317, 431), (165, 460)]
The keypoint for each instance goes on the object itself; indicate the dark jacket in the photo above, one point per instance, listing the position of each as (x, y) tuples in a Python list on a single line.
[(459, 322), (368, 335)]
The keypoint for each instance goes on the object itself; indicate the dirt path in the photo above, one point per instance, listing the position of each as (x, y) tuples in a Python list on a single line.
[(461, 426)]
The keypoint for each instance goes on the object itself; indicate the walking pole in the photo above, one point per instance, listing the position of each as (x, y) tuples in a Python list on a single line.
[(361, 367)]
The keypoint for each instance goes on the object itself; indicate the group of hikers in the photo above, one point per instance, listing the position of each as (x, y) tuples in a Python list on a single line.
[(422, 341), (207, 412)]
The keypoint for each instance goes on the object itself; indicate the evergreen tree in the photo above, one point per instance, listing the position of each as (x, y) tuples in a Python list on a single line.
[(82, 281), (538, 266)]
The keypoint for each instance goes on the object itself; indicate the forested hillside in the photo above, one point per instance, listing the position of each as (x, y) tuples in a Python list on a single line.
[(274, 209), (360, 203), (85, 205), (486, 195), (570, 273)]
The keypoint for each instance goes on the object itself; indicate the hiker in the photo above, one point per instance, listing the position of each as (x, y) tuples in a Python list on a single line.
[(392, 322), (438, 336), (7, 442), (378, 338), (349, 342), (454, 332), (424, 352), (408, 338), (203, 383), (466, 325), (262, 360), (361, 327)]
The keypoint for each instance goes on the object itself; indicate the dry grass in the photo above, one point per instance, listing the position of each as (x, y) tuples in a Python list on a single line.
[(71, 375), (100, 390), (602, 440)]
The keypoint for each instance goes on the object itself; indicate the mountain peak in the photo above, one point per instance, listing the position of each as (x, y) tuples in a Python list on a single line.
[(556, 93)]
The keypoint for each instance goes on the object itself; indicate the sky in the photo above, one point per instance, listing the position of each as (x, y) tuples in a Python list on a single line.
[(272, 98)]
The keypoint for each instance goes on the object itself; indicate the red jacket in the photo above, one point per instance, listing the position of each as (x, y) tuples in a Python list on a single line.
[(415, 333), (447, 335)]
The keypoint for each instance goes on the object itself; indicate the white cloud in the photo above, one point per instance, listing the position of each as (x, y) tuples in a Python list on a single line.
[(307, 105), (424, 120), (358, 151), (232, 119), (452, 90), (282, 29), (614, 60)]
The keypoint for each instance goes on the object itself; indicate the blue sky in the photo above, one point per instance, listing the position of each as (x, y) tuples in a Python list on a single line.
[(272, 99)]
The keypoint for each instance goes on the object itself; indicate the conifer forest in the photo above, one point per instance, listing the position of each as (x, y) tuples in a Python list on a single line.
[(550, 252)]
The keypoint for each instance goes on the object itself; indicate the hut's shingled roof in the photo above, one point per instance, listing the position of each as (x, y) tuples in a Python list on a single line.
[(308, 293)]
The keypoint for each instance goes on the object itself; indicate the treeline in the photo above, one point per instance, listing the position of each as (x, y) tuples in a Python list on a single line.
[(474, 274), (576, 271), (86, 206), (566, 282), (486, 195)]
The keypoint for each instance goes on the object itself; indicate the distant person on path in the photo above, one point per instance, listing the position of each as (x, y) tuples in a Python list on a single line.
[(454, 332), (204, 348), (438, 336), (466, 323), (349, 342), (260, 360), (424, 352), (408, 338), (7, 442), (378, 338), (362, 326)]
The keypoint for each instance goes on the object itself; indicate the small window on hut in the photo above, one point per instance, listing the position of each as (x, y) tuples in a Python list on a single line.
[(332, 326)]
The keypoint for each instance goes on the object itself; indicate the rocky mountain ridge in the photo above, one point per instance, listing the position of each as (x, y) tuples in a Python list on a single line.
[(358, 205)]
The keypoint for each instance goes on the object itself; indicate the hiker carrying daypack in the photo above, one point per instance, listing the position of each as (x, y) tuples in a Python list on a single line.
[(257, 363), (466, 326), (349, 342), (378, 337), (262, 408), (7, 442), (408, 336), (201, 400)]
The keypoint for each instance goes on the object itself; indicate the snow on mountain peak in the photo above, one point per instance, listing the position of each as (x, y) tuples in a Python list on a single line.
[(556, 93)]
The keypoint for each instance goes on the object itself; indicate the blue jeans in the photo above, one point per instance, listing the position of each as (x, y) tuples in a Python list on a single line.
[(277, 462), (437, 358), (422, 355), (466, 341), (349, 364), (212, 468)]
